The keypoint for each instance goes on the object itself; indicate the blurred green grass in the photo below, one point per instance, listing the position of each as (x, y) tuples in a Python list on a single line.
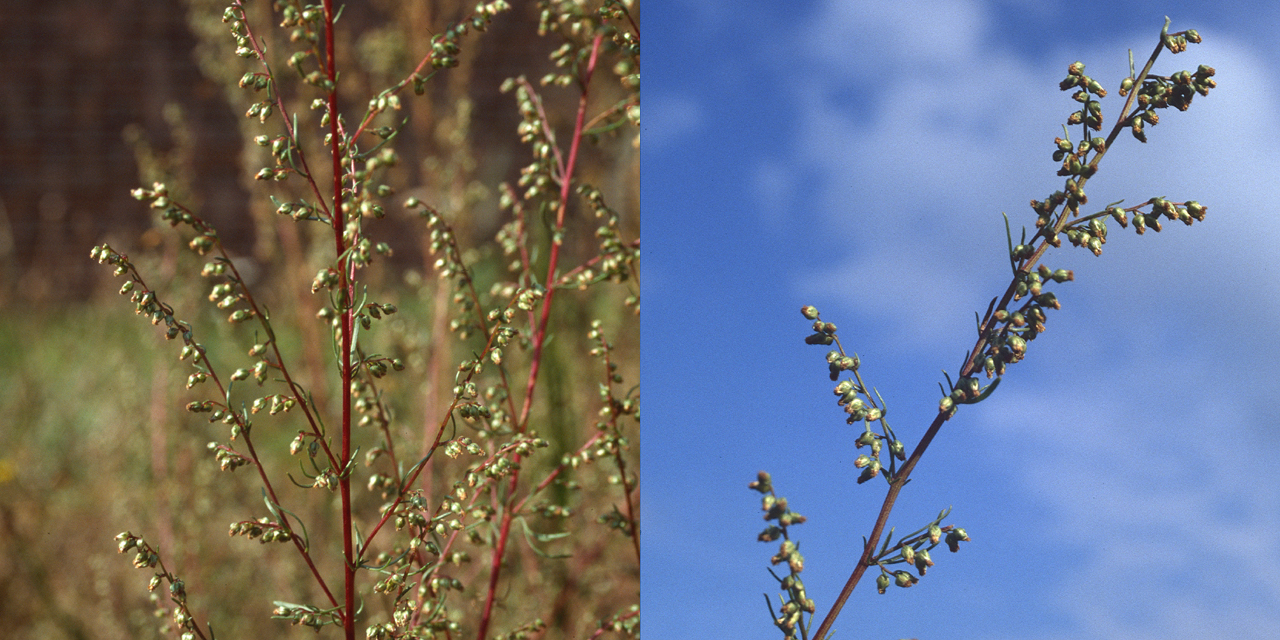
[(96, 442)]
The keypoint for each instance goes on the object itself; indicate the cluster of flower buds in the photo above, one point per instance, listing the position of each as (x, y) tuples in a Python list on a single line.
[(848, 395), (1091, 232), (306, 615), (823, 332), (234, 16), (1158, 92), (914, 550), (262, 529), (1090, 112), (1075, 157), (774, 508), (797, 603), (146, 556), (1177, 42), (228, 459), (145, 300), (1009, 334)]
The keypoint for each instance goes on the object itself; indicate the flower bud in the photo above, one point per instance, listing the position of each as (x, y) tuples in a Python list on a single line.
[(867, 438), (870, 471), (810, 312), (898, 450), (935, 533), (922, 561), (1136, 127), (946, 405), (1196, 210), (882, 582), (1017, 345)]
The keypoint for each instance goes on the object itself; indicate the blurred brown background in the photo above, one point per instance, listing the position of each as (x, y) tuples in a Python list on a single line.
[(81, 79)]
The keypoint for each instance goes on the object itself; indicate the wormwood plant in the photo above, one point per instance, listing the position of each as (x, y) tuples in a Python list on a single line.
[(425, 543), (1012, 321)]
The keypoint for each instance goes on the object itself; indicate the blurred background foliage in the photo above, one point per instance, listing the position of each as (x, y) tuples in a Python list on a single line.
[(101, 98)]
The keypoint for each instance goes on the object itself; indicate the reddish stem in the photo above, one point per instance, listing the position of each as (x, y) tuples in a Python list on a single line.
[(971, 366), (566, 184), (338, 218)]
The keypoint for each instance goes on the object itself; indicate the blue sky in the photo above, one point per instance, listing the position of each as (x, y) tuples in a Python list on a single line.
[(1122, 482)]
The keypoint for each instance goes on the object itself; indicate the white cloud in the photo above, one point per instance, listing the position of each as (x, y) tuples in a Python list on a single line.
[(668, 118), (884, 36)]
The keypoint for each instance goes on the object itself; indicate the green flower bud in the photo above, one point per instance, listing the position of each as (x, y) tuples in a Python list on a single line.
[(904, 579), (809, 311), (1047, 299), (882, 582), (1139, 223), (1017, 345), (820, 338), (955, 537), (870, 471), (855, 405), (922, 561), (763, 483), (1136, 127), (898, 450), (946, 405), (867, 438), (1196, 210)]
